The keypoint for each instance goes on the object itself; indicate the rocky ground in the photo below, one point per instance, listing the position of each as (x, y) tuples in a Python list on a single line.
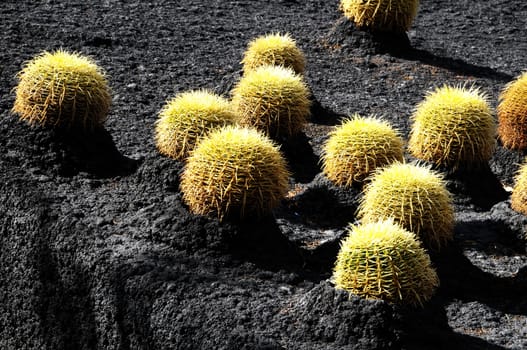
[(97, 249)]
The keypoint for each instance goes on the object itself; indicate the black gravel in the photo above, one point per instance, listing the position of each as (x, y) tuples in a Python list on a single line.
[(98, 251)]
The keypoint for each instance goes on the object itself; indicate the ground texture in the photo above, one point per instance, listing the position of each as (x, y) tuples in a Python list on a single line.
[(97, 250)]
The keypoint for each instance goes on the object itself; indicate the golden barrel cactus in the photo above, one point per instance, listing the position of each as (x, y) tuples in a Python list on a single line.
[(414, 197), (272, 99), (381, 15), (274, 49), (519, 191), (453, 127), (62, 89), (512, 114), (357, 147), (187, 117), (234, 172), (381, 260)]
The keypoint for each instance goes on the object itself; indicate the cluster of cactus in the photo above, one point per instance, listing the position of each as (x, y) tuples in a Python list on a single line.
[(382, 260), (453, 127), (381, 15), (187, 117), (232, 168), (414, 197), (234, 172), (276, 50), (62, 89), (512, 114), (357, 147), (272, 99)]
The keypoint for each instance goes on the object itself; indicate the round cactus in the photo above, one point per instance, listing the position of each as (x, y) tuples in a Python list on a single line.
[(187, 117), (414, 197), (519, 192), (274, 49), (61, 89), (453, 127), (381, 15), (272, 99), (381, 260), (358, 146), (234, 172), (512, 114)]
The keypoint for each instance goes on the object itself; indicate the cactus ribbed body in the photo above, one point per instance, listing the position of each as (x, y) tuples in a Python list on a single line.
[(414, 197), (381, 260), (519, 192), (61, 89), (512, 114), (453, 127), (234, 172), (381, 15), (272, 99), (188, 117), (357, 147), (274, 49)]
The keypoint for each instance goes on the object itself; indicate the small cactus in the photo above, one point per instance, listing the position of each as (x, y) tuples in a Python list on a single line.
[(274, 49), (519, 192), (272, 99), (381, 260), (358, 146), (381, 15), (234, 172), (512, 114), (186, 118), (414, 197), (453, 127), (61, 89)]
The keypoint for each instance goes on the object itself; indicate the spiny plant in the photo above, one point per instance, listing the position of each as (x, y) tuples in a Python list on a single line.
[(62, 89), (187, 117), (234, 172), (519, 192), (272, 99), (381, 260), (381, 15), (358, 146), (414, 197), (453, 127), (512, 114), (274, 49)]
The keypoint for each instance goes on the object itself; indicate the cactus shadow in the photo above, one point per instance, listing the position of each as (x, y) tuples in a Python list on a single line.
[(428, 328), (322, 115), (457, 66), (479, 184), (261, 242), (302, 161), (462, 280), (93, 152)]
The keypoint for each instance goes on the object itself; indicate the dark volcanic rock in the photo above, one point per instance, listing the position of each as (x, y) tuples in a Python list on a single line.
[(98, 250)]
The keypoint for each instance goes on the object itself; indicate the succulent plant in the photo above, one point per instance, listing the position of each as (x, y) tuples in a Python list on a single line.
[(453, 127), (414, 197), (272, 99), (519, 191), (512, 114), (381, 15), (381, 260), (62, 89), (274, 49), (187, 117), (358, 146), (234, 172)]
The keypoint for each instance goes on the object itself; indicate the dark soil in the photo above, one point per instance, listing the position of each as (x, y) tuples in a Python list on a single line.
[(97, 250)]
